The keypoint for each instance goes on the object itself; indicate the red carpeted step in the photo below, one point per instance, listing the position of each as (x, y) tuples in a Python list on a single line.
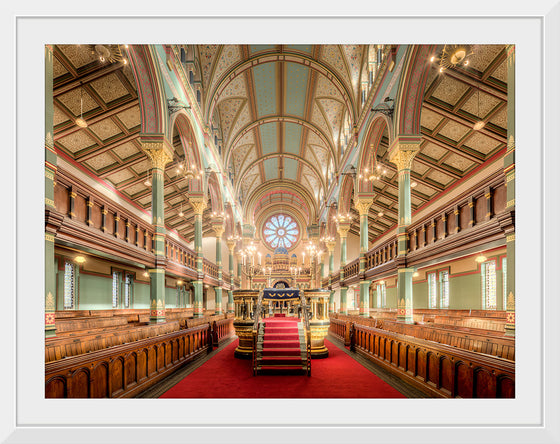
[(274, 337), (281, 330), (281, 352), (281, 344), (280, 324), (281, 360), (279, 315)]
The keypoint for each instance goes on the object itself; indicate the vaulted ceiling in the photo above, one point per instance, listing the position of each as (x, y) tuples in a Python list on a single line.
[(280, 115)]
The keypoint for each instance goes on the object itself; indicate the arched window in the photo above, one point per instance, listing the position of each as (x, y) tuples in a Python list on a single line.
[(281, 231), (69, 285)]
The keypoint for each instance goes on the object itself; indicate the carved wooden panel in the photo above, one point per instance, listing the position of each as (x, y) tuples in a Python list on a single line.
[(99, 378), (80, 208), (500, 199)]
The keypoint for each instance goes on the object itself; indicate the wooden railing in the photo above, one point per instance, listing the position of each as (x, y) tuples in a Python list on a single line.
[(125, 370), (438, 369), (352, 269)]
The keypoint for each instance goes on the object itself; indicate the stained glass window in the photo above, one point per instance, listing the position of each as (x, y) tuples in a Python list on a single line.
[(443, 289), (128, 290), (432, 290), (281, 230), (116, 285), (68, 285), (489, 285), (504, 281)]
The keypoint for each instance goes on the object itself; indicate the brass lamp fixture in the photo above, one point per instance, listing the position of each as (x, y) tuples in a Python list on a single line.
[(453, 56), (109, 53), (80, 121), (375, 172)]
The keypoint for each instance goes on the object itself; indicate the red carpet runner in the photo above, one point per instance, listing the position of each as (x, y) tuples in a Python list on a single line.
[(338, 376), (281, 348)]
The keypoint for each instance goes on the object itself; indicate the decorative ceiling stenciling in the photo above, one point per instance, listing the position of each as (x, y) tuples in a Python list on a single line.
[(71, 100), (332, 56), (238, 156), (109, 88), (265, 88), (243, 119), (105, 129), (78, 55), (230, 54), (332, 109), (207, 53), (236, 88), (318, 119), (353, 55), (325, 88), (228, 110)]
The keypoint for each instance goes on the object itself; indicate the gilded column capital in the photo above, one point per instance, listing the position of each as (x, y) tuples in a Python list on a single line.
[(330, 246), (231, 245), (403, 154), (218, 228), (158, 153), (363, 206), (198, 204), (343, 228)]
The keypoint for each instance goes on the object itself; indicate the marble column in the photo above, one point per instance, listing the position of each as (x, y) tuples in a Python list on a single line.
[(363, 205), (198, 203), (231, 247), (343, 227), (218, 227), (402, 153), (160, 153)]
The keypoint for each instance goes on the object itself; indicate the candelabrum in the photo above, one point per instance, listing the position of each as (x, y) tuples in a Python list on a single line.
[(294, 272)]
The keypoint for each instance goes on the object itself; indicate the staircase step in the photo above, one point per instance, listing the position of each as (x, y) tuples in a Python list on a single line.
[(280, 338), (281, 344), (281, 370), (281, 351), (281, 330)]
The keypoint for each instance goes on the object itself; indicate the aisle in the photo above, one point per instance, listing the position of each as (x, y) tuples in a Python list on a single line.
[(338, 376)]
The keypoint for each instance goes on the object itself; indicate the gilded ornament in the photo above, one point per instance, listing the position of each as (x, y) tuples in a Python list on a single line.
[(510, 306), (363, 206), (157, 154), (49, 237), (49, 302), (49, 142), (510, 238), (198, 204), (511, 143), (403, 155)]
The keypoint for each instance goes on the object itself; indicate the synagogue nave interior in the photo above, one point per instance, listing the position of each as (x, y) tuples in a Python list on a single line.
[(279, 212)]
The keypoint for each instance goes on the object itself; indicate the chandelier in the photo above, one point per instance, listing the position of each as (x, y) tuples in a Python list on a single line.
[(109, 53), (375, 172), (453, 55)]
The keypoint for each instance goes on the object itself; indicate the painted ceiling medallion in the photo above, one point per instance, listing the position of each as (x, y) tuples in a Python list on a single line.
[(281, 231)]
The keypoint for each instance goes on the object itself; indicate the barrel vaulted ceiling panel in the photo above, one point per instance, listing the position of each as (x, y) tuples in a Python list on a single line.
[(292, 137), (269, 138), (332, 111), (271, 168), (296, 88), (265, 88), (290, 168)]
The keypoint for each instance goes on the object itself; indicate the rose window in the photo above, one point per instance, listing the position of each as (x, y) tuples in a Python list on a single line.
[(280, 231)]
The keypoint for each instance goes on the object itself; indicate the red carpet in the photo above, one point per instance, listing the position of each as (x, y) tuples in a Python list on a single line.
[(338, 376), (281, 349)]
